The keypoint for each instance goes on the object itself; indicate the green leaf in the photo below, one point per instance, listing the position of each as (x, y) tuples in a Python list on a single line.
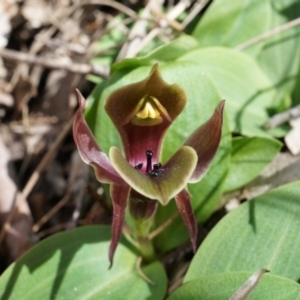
[(249, 285), (74, 265), (261, 233), (249, 157), (247, 90), (202, 99), (233, 23), (165, 53), (296, 91), (280, 56), (223, 285)]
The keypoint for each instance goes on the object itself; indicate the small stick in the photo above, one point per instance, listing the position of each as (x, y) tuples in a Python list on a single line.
[(177, 282), (52, 63), (141, 273), (137, 32), (197, 8), (173, 23), (76, 164), (114, 4), (163, 226), (48, 157), (283, 117), (57, 228), (51, 230), (163, 23), (268, 34), (65, 199)]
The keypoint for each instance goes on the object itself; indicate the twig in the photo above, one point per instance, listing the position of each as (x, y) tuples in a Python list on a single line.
[(136, 34), (141, 273), (173, 23), (36, 174), (36, 120), (59, 43), (57, 228), (55, 63), (180, 277), (199, 5), (48, 157), (65, 199), (283, 117), (178, 9), (163, 226), (163, 23), (268, 34), (54, 229), (114, 4), (75, 169)]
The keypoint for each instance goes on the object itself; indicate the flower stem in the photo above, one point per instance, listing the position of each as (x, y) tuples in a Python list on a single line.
[(141, 233), (142, 211)]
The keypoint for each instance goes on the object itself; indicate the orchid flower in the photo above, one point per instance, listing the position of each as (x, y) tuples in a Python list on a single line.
[(142, 112)]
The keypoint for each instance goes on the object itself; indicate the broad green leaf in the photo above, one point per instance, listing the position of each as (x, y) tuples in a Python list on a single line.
[(202, 99), (74, 265), (247, 90), (243, 292), (261, 233), (233, 23), (223, 285), (296, 92), (249, 157), (280, 56), (165, 53)]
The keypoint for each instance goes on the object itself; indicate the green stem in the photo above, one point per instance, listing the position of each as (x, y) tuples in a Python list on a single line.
[(141, 233), (142, 211)]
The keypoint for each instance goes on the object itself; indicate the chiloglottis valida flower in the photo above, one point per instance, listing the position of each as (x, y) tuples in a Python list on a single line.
[(142, 112)]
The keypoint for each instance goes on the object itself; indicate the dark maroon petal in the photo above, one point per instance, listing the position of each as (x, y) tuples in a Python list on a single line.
[(125, 104), (89, 150), (183, 202), (205, 141), (140, 139), (141, 207), (119, 195)]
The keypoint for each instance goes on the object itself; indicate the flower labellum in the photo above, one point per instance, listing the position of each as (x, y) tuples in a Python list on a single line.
[(142, 113)]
